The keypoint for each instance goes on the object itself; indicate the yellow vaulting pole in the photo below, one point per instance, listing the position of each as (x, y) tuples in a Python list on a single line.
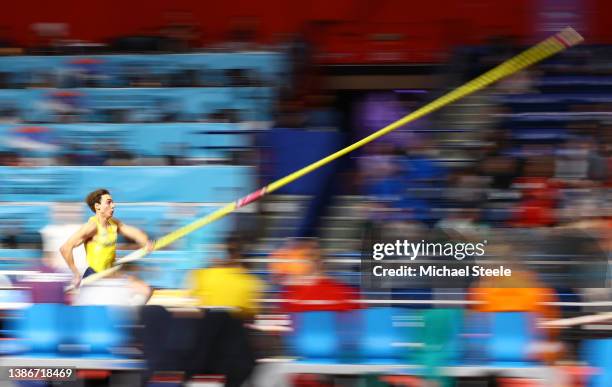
[(556, 43)]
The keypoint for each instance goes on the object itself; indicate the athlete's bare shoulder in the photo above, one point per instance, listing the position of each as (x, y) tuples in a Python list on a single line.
[(89, 227)]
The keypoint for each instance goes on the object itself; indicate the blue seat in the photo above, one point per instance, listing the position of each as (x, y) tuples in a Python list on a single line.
[(378, 336), (315, 338), (474, 338), (100, 332), (70, 331), (511, 337), (598, 354), (40, 328)]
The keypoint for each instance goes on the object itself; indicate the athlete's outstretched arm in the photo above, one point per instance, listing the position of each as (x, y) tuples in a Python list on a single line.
[(134, 234), (78, 238)]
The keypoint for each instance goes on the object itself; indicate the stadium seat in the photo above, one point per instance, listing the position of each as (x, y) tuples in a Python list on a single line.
[(378, 336), (100, 332), (440, 338), (598, 354), (315, 338), (511, 337), (474, 338), (40, 328)]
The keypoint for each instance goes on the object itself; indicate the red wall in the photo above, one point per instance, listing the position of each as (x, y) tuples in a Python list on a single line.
[(428, 27), (100, 20)]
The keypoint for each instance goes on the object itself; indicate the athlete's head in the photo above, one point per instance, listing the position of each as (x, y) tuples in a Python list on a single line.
[(101, 202)]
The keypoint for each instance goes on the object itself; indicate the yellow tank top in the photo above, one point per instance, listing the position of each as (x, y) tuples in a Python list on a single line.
[(101, 249)]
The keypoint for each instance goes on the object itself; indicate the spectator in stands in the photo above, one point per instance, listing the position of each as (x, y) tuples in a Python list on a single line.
[(539, 194), (309, 288), (116, 154), (66, 106), (418, 172), (10, 159), (228, 284), (223, 345), (465, 188), (8, 239), (521, 292), (463, 224), (377, 166), (499, 168), (574, 161), (597, 163), (292, 261), (9, 115), (83, 72), (599, 227)]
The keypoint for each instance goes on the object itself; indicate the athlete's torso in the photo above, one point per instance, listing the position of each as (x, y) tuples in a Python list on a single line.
[(101, 248)]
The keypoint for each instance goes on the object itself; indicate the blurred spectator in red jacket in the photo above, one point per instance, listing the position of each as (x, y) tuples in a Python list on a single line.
[(306, 286)]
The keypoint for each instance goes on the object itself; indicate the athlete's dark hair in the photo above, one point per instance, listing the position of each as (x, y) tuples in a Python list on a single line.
[(94, 197)]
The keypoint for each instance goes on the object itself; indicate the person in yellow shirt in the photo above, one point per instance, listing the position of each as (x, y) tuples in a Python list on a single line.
[(227, 284), (99, 235)]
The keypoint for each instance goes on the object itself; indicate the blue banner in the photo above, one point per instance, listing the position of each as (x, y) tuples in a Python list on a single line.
[(205, 184)]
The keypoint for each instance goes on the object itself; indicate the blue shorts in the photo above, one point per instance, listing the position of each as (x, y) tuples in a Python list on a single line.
[(89, 272)]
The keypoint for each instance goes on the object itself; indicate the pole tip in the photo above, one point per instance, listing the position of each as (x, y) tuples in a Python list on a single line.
[(569, 37)]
